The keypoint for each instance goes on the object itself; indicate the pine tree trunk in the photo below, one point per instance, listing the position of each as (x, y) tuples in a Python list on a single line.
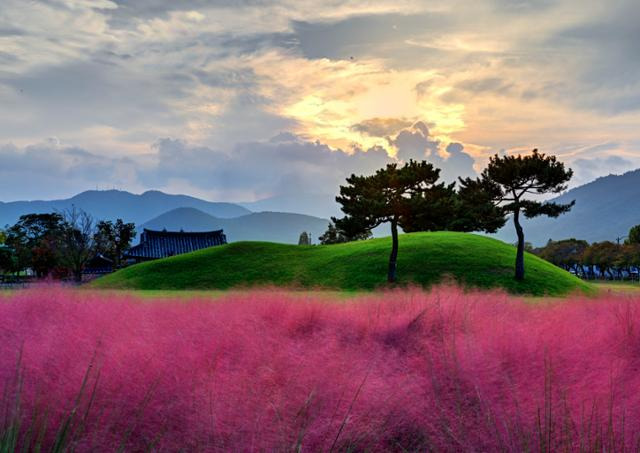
[(393, 258), (520, 252)]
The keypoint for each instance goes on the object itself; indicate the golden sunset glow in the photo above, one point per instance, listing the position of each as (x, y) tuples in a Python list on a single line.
[(328, 98)]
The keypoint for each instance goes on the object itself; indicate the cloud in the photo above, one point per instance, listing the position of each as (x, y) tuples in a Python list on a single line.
[(49, 170), (494, 85), (285, 164), (457, 164), (83, 94), (416, 143), (381, 127), (227, 76), (364, 36), (607, 67), (588, 169), (289, 164), (520, 6)]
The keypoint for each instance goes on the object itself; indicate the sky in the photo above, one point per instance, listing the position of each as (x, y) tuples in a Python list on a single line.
[(240, 100)]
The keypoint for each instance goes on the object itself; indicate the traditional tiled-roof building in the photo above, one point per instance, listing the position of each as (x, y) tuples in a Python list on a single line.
[(161, 244)]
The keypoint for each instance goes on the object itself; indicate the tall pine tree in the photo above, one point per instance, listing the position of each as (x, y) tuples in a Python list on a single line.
[(409, 197), (509, 182)]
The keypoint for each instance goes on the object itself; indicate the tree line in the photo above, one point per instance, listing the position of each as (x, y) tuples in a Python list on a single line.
[(606, 259), (411, 197), (61, 244)]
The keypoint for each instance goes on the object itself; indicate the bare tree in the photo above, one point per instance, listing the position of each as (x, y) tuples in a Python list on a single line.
[(78, 243)]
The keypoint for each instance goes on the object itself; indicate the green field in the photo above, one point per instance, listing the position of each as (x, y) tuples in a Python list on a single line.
[(625, 287), (424, 259)]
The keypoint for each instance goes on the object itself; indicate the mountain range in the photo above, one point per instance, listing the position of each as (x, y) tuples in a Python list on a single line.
[(314, 204), (605, 209), (257, 226), (158, 210), (114, 204)]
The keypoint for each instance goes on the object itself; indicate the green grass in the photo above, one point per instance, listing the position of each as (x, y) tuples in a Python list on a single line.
[(617, 286), (424, 259)]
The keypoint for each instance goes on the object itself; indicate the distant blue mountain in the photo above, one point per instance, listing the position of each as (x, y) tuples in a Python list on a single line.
[(114, 204), (259, 226), (605, 210), (313, 204)]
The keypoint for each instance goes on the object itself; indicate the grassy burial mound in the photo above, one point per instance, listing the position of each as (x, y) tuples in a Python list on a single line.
[(424, 259)]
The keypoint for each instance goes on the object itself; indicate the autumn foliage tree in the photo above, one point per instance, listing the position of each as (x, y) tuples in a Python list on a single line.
[(509, 182), (602, 254), (567, 253)]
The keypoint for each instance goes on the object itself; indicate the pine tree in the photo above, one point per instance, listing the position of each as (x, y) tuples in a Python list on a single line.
[(409, 197), (508, 183)]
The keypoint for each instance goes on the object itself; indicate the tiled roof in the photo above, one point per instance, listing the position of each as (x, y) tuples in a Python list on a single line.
[(160, 244)]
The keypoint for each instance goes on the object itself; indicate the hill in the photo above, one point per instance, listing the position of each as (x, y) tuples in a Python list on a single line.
[(113, 204), (261, 226), (424, 259), (605, 209), (313, 204)]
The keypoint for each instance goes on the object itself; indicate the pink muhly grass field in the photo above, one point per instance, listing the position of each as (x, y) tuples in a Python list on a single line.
[(272, 371)]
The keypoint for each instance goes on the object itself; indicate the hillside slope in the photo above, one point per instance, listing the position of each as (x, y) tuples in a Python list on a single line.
[(260, 226), (424, 259), (605, 209), (113, 204)]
